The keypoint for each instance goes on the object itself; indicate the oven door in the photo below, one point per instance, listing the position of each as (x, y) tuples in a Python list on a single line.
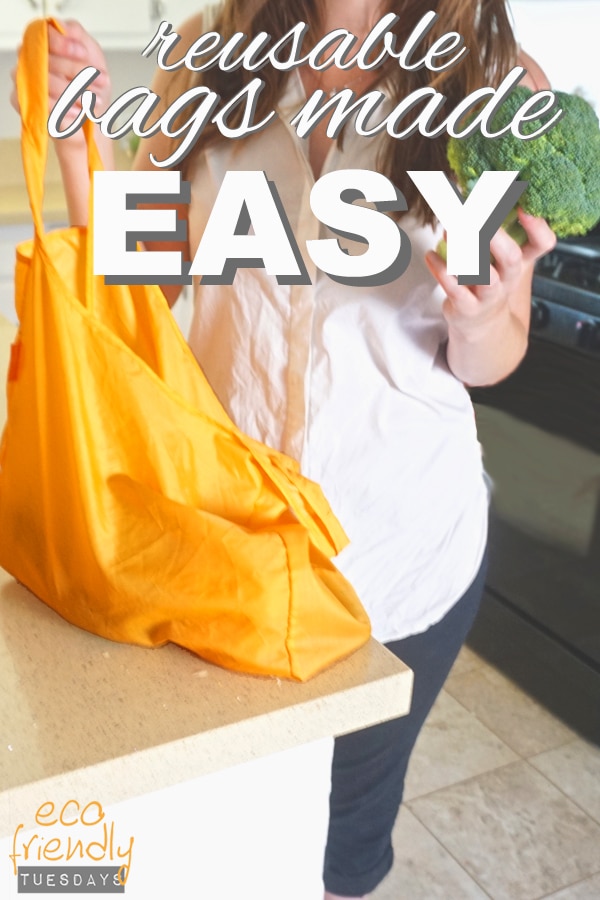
[(540, 620)]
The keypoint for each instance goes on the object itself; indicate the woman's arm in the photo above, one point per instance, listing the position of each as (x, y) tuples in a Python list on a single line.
[(488, 325), (68, 54)]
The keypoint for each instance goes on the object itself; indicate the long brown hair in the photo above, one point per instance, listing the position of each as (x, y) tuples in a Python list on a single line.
[(484, 25)]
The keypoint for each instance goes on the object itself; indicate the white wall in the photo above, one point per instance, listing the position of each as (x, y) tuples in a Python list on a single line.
[(562, 36)]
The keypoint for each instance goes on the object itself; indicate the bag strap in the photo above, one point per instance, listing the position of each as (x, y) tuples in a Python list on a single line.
[(32, 93)]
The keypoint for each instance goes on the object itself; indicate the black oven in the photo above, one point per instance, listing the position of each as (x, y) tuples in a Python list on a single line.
[(540, 433)]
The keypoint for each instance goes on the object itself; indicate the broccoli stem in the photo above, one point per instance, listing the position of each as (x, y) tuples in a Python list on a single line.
[(514, 228), (511, 225)]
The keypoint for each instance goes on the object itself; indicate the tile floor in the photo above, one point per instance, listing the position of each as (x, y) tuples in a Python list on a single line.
[(502, 800)]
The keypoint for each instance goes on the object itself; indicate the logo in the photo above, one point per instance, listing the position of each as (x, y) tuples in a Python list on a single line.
[(73, 849)]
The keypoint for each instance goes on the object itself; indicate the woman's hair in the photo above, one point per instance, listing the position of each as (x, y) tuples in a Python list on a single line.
[(484, 25)]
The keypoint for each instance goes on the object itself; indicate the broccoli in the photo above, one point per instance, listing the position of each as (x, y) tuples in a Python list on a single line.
[(562, 166)]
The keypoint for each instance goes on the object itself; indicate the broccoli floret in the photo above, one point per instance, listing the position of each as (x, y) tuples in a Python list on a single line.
[(562, 166)]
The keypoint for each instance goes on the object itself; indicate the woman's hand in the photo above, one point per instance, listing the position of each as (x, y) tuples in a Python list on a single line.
[(68, 54), (488, 324)]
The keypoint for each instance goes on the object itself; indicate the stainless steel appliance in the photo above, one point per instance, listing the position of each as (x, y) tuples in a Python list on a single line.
[(540, 432)]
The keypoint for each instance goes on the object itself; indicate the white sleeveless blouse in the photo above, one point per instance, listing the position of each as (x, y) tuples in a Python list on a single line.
[(352, 382)]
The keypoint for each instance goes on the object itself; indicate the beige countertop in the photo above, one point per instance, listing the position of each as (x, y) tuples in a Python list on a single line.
[(80, 713)]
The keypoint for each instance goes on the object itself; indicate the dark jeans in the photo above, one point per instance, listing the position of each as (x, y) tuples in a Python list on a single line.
[(369, 766)]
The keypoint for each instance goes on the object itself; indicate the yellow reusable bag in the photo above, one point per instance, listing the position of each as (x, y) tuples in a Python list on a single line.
[(129, 501)]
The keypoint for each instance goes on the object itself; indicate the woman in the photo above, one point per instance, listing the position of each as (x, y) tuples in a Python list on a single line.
[(364, 385)]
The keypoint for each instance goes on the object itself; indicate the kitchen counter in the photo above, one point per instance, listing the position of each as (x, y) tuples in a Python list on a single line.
[(81, 713), (153, 733), (197, 764)]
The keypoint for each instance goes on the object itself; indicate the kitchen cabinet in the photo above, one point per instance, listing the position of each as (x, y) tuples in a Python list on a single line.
[(115, 24), (125, 24), (14, 19)]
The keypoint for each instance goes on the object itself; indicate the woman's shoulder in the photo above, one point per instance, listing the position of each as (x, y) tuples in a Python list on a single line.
[(192, 27), (199, 22), (203, 20), (536, 78)]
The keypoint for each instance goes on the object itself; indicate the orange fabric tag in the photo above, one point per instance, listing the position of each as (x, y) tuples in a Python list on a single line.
[(15, 357)]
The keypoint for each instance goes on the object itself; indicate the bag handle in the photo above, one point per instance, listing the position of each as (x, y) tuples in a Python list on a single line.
[(32, 93)]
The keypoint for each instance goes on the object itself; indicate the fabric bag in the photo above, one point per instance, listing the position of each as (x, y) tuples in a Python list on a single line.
[(129, 501)]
